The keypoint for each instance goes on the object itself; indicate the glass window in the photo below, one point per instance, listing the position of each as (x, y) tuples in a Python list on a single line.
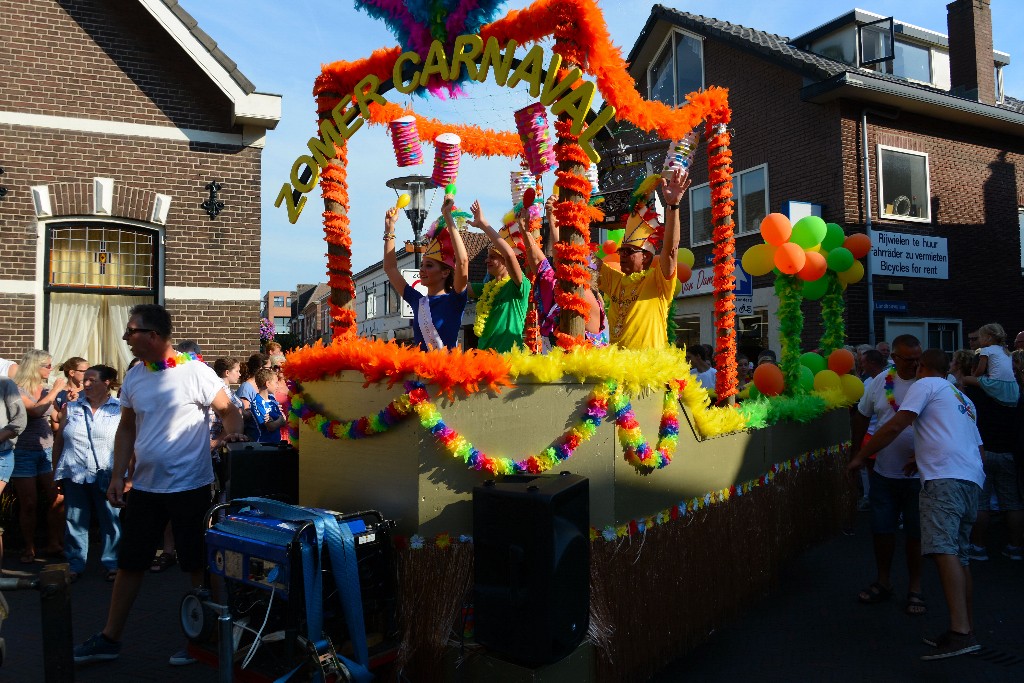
[(101, 256), (281, 325), (700, 214), (903, 184), (688, 331), (393, 306), (371, 305), (944, 335), (752, 333), (279, 301), (912, 61), (750, 194), (678, 69)]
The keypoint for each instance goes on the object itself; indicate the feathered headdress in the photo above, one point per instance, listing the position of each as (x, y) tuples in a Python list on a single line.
[(644, 226)]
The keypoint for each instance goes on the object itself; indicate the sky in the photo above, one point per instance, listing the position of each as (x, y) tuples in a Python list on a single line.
[(280, 47)]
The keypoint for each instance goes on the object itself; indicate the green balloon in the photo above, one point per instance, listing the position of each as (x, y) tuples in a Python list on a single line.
[(813, 362), (840, 259), (815, 289), (808, 232), (807, 377), (616, 235), (834, 237), (752, 391)]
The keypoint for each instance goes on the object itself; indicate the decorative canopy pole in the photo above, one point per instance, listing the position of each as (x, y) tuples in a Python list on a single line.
[(573, 247), (723, 236)]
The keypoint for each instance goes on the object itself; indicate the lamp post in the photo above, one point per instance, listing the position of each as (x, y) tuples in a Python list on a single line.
[(416, 186)]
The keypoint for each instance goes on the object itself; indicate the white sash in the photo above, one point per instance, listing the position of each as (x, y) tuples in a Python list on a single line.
[(431, 337)]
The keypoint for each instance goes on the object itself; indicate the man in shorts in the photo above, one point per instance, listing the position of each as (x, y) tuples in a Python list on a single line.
[(948, 454), (892, 491), (163, 431)]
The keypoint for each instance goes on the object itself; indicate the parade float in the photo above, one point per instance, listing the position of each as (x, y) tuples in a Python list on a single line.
[(696, 500)]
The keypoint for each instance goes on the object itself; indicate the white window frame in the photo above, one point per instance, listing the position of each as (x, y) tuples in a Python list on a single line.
[(737, 199), (881, 182), (370, 303), (675, 79)]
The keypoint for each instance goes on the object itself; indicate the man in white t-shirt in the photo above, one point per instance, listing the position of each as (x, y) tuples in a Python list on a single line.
[(8, 368), (165, 401), (948, 454), (891, 491)]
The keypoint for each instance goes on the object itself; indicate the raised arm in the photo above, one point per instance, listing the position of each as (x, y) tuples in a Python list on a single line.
[(390, 260), (38, 408), (478, 221), (534, 254), (461, 274), (553, 234), (672, 190)]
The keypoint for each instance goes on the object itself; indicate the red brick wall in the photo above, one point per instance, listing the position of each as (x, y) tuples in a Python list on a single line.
[(102, 59), (222, 328), (17, 316)]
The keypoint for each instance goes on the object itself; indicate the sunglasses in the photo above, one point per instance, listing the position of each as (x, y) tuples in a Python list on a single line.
[(129, 331)]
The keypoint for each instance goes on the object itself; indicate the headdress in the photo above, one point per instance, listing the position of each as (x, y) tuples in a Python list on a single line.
[(440, 247), (644, 226)]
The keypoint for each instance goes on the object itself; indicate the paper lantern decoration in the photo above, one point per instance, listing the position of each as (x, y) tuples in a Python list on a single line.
[(790, 258), (595, 187), (446, 158), (519, 182), (680, 153), (769, 380), (827, 380), (840, 361), (532, 124), (759, 259), (808, 232), (852, 274), (406, 140), (859, 245), (775, 229), (852, 387), (814, 266)]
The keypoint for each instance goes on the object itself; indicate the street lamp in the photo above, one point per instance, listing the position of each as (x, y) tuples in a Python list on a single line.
[(416, 186)]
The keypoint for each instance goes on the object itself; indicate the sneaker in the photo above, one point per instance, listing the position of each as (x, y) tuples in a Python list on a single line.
[(952, 644), (181, 658), (977, 552), (1014, 552), (97, 649)]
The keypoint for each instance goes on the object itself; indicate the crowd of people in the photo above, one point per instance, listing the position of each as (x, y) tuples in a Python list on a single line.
[(138, 455)]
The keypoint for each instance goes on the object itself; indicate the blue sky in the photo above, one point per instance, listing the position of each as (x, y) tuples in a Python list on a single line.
[(280, 46)]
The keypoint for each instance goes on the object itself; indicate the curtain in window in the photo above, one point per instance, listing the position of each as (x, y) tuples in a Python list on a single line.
[(90, 326)]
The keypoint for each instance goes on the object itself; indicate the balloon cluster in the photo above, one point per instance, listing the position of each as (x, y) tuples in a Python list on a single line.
[(607, 253), (816, 374), (808, 250)]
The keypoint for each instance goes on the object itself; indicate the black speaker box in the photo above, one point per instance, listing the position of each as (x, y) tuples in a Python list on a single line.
[(261, 470), (531, 540)]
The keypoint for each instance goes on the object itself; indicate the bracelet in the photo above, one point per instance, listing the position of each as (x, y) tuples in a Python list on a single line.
[(389, 236), (672, 206)]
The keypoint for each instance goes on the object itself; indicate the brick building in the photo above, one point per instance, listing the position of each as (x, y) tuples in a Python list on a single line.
[(115, 118), (943, 174), (276, 306)]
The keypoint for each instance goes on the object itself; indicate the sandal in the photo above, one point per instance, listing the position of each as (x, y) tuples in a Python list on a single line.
[(163, 561), (874, 594), (915, 604)]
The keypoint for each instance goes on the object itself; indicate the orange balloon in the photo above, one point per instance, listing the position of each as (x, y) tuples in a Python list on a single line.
[(683, 272), (814, 267), (840, 361), (612, 261), (859, 244), (769, 380), (776, 229), (790, 258)]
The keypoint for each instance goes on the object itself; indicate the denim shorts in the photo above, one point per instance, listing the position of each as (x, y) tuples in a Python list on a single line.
[(1001, 479), (6, 465), (889, 497), (949, 508), (32, 462)]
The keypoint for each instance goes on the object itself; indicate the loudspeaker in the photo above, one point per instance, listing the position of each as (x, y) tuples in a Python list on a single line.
[(531, 541), (261, 470)]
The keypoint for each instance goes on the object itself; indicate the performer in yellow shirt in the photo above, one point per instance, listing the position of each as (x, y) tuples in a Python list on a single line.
[(639, 295)]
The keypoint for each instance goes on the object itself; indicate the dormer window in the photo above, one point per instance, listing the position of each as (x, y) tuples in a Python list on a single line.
[(678, 68)]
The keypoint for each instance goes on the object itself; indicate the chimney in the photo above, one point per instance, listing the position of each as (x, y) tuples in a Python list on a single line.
[(971, 60)]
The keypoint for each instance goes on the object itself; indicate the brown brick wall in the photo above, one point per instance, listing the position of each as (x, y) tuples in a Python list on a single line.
[(102, 59), (17, 316), (222, 328), (200, 251)]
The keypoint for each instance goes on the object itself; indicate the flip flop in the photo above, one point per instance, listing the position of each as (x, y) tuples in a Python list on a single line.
[(874, 594), (915, 604)]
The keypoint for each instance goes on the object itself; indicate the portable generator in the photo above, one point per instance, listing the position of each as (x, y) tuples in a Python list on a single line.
[(308, 592)]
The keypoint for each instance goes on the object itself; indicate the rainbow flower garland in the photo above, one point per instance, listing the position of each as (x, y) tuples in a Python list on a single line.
[(173, 362), (638, 452), (484, 303), (890, 384), (360, 428)]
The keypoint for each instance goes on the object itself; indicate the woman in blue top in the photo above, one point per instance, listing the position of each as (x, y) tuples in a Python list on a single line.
[(85, 442), (437, 316)]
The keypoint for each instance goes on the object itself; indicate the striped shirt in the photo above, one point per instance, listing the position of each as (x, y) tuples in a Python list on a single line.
[(76, 461)]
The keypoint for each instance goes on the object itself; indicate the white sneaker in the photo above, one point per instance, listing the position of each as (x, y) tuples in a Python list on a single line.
[(1014, 552), (977, 552), (181, 658)]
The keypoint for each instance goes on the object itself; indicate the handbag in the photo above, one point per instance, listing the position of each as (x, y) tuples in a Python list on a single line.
[(103, 476)]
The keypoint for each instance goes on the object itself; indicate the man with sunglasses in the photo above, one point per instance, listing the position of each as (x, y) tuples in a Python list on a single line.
[(890, 490), (639, 294), (163, 431)]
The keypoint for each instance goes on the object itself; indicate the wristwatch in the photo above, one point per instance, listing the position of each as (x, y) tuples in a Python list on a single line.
[(673, 206)]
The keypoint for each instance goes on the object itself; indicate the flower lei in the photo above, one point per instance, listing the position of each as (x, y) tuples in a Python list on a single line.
[(890, 383), (484, 303), (360, 428), (173, 362)]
